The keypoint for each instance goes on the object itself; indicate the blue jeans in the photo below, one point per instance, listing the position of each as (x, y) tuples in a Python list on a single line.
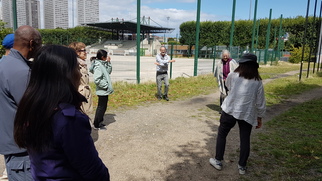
[(18, 167), (226, 123), (162, 76)]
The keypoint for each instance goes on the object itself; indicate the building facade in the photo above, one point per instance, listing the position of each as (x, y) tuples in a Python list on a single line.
[(33, 13), (87, 11), (27, 13), (56, 14)]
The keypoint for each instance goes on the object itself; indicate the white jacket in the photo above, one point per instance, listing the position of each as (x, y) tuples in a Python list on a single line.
[(246, 99)]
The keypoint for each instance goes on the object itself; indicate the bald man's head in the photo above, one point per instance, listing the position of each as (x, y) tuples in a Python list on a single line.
[(27, 41)]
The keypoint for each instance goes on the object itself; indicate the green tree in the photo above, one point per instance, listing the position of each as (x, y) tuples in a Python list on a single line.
[(188, 34), (296, 54), (3, 32), (83, 34), (218, 33)]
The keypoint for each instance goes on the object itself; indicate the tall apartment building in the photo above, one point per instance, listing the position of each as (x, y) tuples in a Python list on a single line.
[(87, 11), (7, 12), (55, 14), (33, 13), (27, 13)]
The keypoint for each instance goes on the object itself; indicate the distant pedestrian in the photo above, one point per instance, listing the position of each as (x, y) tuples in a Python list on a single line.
[(14, 77), (222, 69), (162, 62), (84, 88), (50, 124), (246, 105), (102, 68)]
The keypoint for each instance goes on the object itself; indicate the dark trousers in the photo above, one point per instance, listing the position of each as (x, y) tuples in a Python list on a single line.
[(226, 123), (100, 110)]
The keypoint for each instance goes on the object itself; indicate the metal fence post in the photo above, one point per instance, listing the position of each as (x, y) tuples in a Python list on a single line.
[(267, 36), (171, 55)]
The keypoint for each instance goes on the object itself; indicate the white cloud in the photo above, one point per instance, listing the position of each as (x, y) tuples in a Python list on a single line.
[(128, 11)]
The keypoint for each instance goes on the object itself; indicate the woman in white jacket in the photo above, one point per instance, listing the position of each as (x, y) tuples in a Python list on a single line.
[(222, 69), (245, 104)]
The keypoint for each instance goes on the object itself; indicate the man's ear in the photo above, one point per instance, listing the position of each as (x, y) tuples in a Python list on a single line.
[(31, 45)]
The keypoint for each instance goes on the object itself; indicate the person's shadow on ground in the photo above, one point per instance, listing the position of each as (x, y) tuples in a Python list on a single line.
[(214, 107), (108, 119)]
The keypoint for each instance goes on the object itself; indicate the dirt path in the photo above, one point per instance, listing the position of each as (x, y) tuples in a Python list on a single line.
[(173, 140)]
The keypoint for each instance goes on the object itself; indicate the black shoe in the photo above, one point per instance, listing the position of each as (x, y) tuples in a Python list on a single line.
[(159, 98), (101, 125), (166, 98)]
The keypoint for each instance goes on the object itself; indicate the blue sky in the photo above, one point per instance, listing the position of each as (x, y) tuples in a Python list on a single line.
[(180, 11)]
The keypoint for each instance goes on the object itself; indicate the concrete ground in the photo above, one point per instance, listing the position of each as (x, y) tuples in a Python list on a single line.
[(124, 68)]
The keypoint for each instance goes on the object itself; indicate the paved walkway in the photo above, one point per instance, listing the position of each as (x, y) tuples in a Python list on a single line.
[(125, 67)]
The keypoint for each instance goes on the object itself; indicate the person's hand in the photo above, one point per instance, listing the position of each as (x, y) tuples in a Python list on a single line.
[(108, 59), (259, 123), (156, 63), (172, 60)]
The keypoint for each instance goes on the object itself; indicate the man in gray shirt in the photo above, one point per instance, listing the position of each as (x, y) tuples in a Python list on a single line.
[(14, 77), (162, 61)]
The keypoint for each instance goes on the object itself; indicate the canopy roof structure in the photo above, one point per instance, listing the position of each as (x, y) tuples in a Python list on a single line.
[(128, 27)]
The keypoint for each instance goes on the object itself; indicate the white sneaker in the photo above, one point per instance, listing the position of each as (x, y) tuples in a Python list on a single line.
[(215, 163), (242, 170)]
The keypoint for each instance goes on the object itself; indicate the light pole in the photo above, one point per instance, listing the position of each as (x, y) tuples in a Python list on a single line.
[(168, 17), (250, 9)]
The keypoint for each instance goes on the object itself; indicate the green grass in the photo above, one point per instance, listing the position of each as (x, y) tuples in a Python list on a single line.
[(280, 89), (268, 71), (129, 94), (291, 146)]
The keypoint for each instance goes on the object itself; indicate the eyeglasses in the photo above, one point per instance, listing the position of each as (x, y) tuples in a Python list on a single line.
[(82, 50)]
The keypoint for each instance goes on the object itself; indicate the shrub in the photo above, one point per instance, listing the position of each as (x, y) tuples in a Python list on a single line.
[(296, 54)]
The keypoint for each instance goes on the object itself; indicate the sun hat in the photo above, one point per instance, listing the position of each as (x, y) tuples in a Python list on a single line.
[(7, 42), (248, 57)]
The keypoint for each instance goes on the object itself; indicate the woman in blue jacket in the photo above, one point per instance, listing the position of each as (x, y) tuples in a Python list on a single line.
[(50, 123), (102, 68)]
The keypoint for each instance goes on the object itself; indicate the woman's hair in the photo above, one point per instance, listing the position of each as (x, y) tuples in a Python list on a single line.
[(224, 52), (248, 70), (100, 54), (92, 59), (77, 46), (54, 79)]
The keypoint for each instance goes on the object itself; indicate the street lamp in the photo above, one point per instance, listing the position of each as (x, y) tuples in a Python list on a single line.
[(168, 17)]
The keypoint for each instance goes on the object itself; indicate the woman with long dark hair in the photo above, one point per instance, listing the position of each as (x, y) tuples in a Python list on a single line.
[(245, 104), (102, 68), (50, 123)]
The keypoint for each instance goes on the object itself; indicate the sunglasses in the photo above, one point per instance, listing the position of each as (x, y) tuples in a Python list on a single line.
[(82, 50)]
